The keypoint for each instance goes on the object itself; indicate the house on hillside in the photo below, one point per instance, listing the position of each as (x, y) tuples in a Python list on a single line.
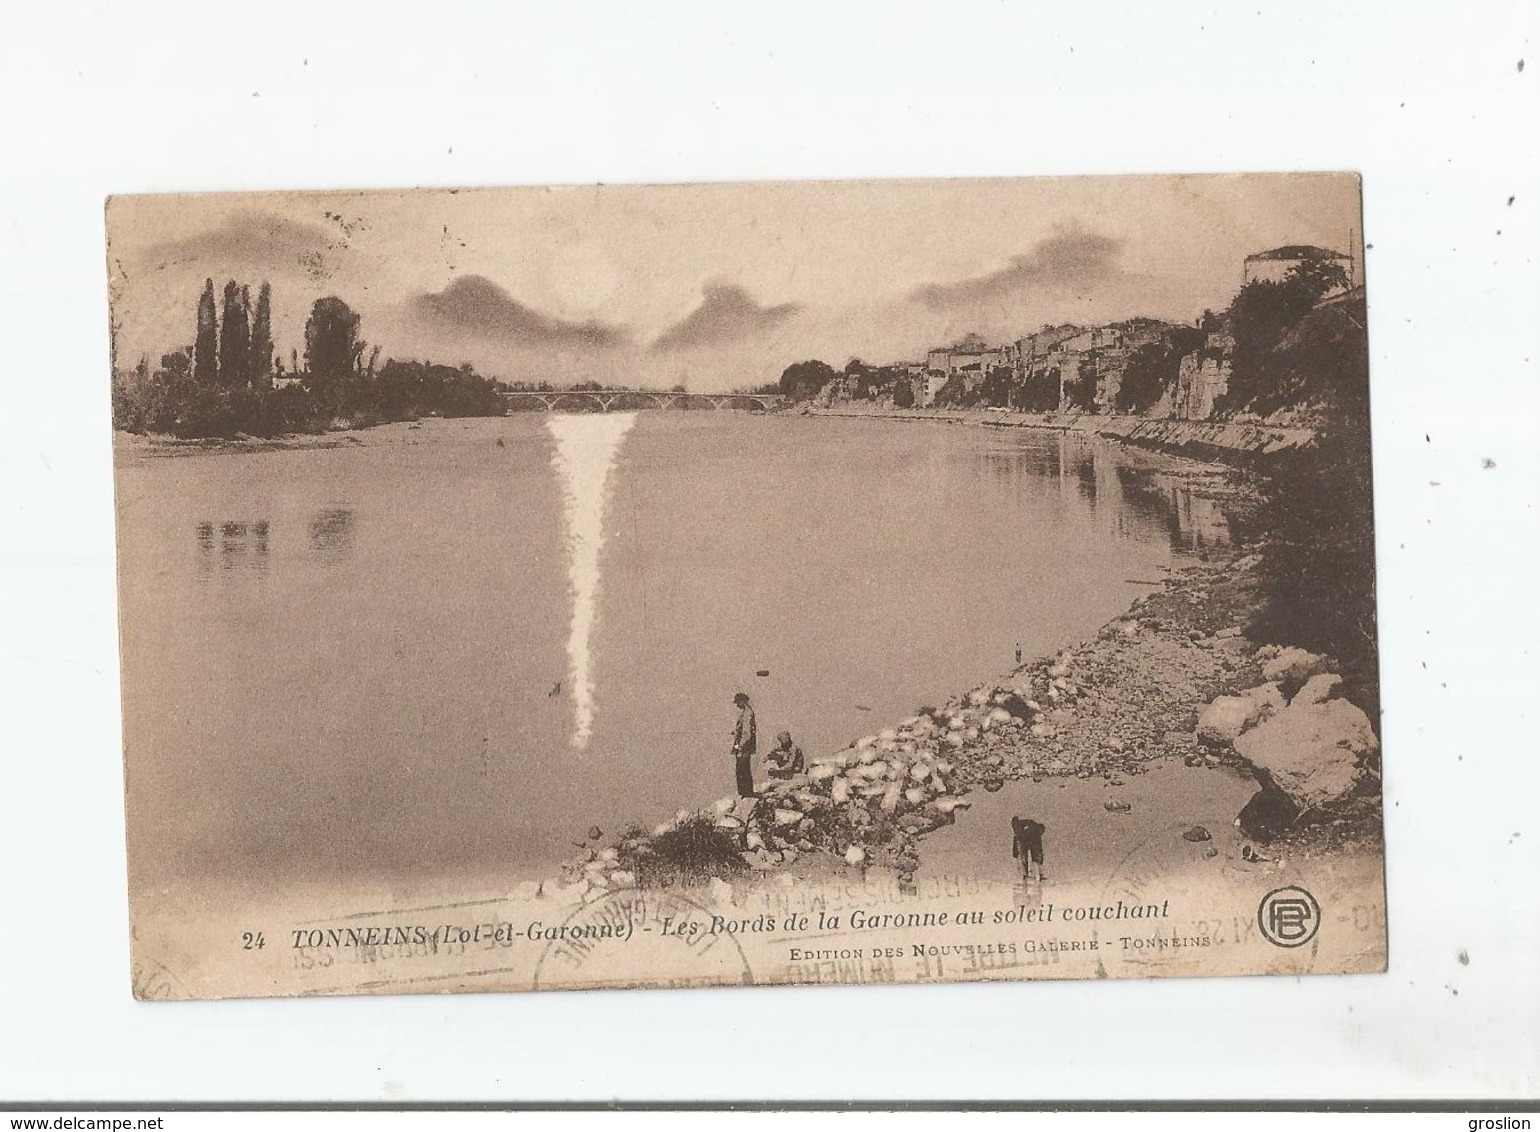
[(1043, 367), (1096, 338), (970, 360), (927, 384), (1077, 366), (970, 355), (1035, 347)]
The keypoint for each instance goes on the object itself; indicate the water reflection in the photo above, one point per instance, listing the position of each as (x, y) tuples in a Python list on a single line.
[(1027, 894), (586, 449), (331, 532), (1085, 468), (1202, 521), (240, 545), (1095, 480), (1193, 522)]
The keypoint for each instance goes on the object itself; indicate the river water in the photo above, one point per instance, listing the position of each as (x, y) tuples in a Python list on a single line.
[(436, 650)]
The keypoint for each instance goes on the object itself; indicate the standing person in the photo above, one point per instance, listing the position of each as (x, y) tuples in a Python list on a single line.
[(1027, 844), (744, 742)]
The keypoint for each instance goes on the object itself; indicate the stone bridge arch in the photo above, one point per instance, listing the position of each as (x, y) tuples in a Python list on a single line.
[(626, 400)]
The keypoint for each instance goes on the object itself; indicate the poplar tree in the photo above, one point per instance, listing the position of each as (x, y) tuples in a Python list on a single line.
[(235, 335), (260, 368), (206, 344)]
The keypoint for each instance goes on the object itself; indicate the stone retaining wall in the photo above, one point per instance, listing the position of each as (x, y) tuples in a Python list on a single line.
[(1190, 437)]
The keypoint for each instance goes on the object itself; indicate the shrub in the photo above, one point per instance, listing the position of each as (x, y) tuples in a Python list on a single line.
[(1040, 393), (802, 381), (693, 852), (1153, 367)]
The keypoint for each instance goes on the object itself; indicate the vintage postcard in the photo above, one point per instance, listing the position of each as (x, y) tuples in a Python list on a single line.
[(710, 585)]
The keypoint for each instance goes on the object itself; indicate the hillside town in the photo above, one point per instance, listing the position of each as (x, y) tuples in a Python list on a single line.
[(1143, 366)]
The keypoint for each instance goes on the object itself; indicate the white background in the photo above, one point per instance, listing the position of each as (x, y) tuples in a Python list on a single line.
[(1427, 101)]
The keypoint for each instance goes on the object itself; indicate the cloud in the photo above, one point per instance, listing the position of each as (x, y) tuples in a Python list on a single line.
[(476, 306), (251, 238), (727, 313), (1072, 255)]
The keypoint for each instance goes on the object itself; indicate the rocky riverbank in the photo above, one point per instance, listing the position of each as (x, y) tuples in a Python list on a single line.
[(1200, 439), (1174, 679)]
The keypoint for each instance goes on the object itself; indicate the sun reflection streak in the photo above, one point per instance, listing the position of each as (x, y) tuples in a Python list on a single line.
[(586, 447)]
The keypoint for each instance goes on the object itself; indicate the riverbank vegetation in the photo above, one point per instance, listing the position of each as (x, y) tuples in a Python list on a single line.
[(1315, 524), (229, 383), (1154, 368), (688, 852)]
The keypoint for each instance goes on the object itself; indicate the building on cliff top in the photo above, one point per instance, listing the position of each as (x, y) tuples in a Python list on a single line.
[(971, 359)]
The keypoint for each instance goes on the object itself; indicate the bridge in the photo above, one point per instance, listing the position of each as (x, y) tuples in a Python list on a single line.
[(604, 400)]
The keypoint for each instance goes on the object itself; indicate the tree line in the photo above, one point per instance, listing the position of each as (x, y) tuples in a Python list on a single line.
[(229, 381), (243, 354)]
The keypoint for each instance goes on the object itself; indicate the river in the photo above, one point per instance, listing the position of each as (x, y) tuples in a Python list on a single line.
[(435, 650)]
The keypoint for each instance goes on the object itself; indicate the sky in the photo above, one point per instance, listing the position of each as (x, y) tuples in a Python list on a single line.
[(711, 286)]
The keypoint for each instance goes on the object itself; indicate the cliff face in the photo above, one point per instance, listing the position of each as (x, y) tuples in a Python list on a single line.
[(1286, 379), (1200, 381)]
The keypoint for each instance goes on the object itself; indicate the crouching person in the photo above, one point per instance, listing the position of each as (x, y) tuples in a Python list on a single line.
[(785, 758)]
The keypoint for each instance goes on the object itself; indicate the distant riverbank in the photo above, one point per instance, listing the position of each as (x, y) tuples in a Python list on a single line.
[(128, 444)]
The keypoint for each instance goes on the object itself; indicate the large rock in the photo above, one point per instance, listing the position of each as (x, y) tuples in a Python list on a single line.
[(1223, 721), (923, 821), (1293, 666), (743, 810), (1017, 704), (1234, 646), (1318, 689), (1311, 753)]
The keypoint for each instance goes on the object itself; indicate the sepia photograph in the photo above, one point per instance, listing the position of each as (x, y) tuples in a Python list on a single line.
[(897, 558), (852, 582)]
